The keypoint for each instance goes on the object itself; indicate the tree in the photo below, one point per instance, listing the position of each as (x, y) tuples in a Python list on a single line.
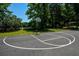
[(8, 21), (76, 9), (38, 10), (55, 13), (68, 14), (3, 13)]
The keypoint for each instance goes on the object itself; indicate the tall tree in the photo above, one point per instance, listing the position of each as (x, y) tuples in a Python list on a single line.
[(68, 14), (76, 9), (55, 12), (3, 13), (38, 10), (7, 20)]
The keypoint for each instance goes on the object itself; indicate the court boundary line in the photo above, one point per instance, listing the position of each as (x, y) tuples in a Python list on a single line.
[(48, 43), (52, 39), (4, 41)]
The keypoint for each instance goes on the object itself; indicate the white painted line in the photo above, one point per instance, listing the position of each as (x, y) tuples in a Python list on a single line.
[(56, 38), (44, 41), (61, 36), (49, 43), (53, 38), (57, 35), (4, 40)]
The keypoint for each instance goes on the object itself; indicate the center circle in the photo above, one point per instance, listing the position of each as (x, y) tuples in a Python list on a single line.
[(52, 46)]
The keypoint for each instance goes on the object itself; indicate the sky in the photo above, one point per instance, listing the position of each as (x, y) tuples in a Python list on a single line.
[(19, 10)]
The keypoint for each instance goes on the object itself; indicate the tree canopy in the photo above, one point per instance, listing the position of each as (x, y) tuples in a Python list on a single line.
[(8, 21), (54, 15)]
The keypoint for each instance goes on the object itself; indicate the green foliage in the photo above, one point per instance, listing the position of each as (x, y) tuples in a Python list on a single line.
[(54, 15), (38, 10), (8, 22), (24, 24), (76, 9)]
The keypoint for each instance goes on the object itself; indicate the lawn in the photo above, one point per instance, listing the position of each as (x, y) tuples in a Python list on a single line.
[(15, 33), (24, 32), (54, 30)]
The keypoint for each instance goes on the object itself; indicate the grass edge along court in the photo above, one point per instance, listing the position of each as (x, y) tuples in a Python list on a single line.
[(24, 32)]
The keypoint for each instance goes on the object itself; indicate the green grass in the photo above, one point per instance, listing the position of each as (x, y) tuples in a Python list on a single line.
[(24, 32), (54, 30), (16, 33)]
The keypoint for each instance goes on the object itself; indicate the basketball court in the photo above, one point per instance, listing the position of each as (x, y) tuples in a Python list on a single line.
[(50, 43)]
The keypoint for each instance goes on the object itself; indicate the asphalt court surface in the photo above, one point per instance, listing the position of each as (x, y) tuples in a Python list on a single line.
[(47, 44)]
